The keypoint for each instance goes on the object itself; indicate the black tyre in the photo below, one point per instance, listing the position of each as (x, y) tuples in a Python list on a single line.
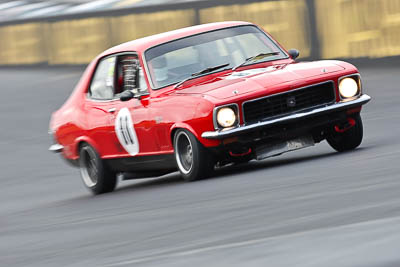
[(193, 160), (349, 139), (96, 175)]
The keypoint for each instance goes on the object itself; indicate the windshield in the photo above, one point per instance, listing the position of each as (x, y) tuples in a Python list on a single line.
[(175, 61)]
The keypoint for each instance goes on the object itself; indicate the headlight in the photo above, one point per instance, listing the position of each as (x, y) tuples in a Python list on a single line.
[(226, 117), (348, 87)]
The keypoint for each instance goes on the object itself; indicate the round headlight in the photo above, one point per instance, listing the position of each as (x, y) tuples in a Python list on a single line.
[(226, 117), (348, 87)]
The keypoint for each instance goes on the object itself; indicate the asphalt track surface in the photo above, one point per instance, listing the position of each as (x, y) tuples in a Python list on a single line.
[(312, 207)]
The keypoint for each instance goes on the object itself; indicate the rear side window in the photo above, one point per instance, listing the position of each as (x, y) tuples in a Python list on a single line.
[(102, 86)]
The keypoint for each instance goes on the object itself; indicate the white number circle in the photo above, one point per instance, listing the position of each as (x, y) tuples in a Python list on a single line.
[(125, 132)]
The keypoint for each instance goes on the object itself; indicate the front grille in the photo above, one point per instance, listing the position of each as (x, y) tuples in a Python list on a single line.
[(288, 102)]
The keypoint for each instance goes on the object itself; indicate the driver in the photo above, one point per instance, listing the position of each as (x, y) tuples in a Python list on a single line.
[(160, 69)]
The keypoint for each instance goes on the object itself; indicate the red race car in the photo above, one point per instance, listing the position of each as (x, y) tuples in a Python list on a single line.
[(200, 97)]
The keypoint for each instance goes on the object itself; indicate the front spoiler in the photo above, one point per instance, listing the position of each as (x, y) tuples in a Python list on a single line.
[(363, 99)]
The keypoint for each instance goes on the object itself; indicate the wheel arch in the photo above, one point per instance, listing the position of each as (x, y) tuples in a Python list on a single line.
[(85, 140), (205, 142), (177, 126)]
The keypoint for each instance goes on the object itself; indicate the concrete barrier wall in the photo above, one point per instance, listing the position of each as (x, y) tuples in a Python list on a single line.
[(358, 28), (318, 28), (23, 44), (77, 41), (286, 21), (130, 27)]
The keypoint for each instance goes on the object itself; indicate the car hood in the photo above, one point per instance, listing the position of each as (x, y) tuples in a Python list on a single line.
[(249, 80)]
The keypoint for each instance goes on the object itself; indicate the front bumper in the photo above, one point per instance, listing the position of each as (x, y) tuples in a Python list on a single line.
[(56, 148), (363, 99)]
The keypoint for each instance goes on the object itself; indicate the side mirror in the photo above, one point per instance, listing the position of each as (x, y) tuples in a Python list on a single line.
[(126, 95), (294, 53)]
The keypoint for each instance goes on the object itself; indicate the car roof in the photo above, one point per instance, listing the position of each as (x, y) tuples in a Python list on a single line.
[(142, 44)]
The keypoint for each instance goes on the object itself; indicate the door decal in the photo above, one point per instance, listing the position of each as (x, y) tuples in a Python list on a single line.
[(125, 132)]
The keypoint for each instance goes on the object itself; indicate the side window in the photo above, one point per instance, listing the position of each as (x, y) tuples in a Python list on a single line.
[(130, 75), (102, 86)]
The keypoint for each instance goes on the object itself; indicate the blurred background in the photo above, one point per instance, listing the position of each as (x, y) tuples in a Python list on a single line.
[(75, 31), (309, 208)]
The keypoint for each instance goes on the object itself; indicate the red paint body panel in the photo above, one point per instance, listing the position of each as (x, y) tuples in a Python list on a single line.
[(190, 106)]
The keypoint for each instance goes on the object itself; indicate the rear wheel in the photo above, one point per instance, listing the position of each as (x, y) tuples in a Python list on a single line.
[(349, 139), (96, 175), (194, 161)]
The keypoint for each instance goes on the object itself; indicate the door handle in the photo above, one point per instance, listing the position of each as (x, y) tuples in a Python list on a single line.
[(112, 110)]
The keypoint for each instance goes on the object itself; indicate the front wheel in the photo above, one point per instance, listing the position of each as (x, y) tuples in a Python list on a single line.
[(96, 175), (349, 139), (194, 161)]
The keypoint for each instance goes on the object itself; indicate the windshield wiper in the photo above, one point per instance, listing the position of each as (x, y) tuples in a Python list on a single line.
[(256, 57), (196, 74)]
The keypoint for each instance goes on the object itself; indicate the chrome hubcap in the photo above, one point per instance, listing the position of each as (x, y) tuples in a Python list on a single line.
[(184, 152), (188, 157), (89, 168)]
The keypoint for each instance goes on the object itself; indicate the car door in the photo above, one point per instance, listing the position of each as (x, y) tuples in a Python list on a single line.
[(130, 120), (99, 105)]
